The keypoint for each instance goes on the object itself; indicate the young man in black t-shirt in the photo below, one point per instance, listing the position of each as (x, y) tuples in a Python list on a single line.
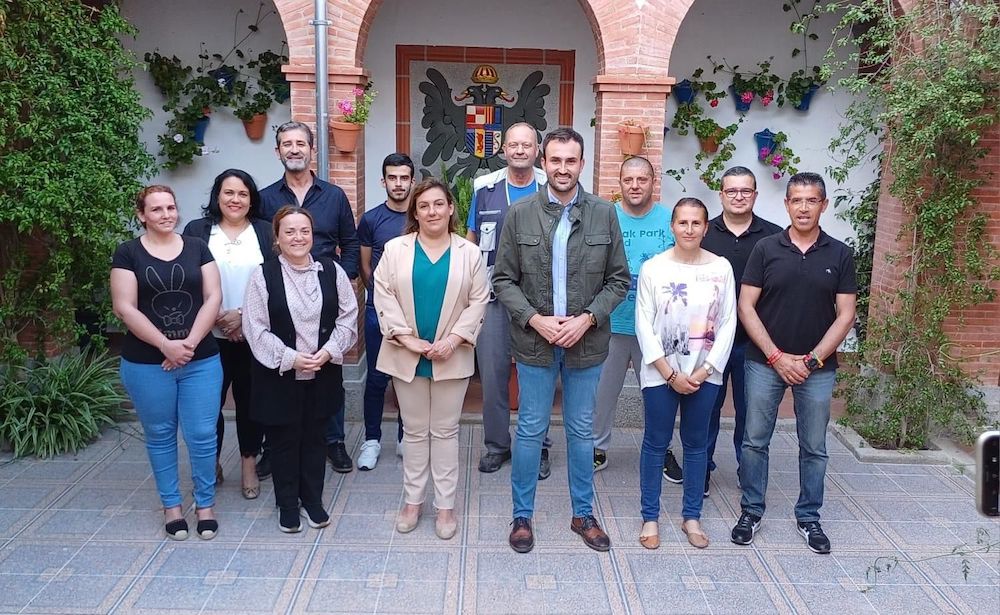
[(797, 304)]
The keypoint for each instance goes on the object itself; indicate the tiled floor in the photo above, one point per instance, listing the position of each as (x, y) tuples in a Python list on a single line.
[(82, 534)]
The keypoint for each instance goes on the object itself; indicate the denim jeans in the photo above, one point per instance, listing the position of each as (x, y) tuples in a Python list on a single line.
[(189, 397), (538, 386), (735, 371), (660, 404), (376, 382), (765, 388), (335, 427)]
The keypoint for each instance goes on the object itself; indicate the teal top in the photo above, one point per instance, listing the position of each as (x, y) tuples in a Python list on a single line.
[(429, 282)]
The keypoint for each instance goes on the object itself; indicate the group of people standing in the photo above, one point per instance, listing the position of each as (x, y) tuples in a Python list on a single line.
[(551, 279)]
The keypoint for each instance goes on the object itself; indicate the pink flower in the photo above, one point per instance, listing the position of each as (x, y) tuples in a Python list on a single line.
[(776, 175), (777, 159), (714, 102), (746, 97), (358, 92), (767, 98), (764, 151), (346, 106)]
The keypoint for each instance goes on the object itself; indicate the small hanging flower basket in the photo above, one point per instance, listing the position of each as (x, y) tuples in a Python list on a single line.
[(765, 143), (684, 92), (346, 129), (631, 137), (255, 126), (742, 100), (200, 128)]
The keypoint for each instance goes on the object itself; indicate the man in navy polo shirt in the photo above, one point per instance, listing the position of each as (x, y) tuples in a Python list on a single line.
[(797, 305), (733, 235), (334, 234), (377, 227)]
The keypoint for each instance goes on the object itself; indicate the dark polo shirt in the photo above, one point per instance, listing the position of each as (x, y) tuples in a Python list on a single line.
[(799, 291), (722, 242), (333, 220)]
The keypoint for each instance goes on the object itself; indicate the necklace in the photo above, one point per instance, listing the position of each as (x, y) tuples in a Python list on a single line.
[(232, 241)]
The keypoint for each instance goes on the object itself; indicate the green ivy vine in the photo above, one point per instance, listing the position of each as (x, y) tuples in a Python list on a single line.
[(927, 95), (70, 164)]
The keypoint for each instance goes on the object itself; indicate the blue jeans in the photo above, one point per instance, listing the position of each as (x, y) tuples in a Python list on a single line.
[(660, 404), (335, 431), (736, 371), (189, 397), (538, 387), (376, 382), (765, 388)]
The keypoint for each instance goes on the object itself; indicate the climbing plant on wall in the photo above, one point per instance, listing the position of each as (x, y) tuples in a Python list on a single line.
[(926, 95)]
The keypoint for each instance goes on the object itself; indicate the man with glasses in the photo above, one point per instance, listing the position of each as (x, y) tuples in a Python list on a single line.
[(797, 305), (733, 235), (494, 193)]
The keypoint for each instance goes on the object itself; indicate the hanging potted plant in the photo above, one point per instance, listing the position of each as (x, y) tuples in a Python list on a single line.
[(686, 92), (779, 156), (252, 110), (346, 128), (631, 137), (801, 87), (746, 86), (765, 143)]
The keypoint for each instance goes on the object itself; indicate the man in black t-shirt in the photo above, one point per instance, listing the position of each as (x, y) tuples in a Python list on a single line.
[(733, 235), (797, 304)]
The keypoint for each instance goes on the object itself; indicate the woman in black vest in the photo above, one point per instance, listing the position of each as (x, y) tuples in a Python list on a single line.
[(299, 317), (240, 241)]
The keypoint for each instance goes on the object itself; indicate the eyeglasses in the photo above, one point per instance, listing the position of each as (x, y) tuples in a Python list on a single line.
[(811, 201), (732, 193)]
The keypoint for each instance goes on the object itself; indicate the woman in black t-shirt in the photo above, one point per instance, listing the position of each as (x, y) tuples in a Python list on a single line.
[(165, 288)]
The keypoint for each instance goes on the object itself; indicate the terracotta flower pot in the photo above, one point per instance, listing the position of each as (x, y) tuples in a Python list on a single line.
[(255, 126), (631, 139), (710, 144), (345, 135)]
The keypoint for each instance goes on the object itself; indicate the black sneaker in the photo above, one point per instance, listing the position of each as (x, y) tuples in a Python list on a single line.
[(544, 467), (340, 461), (815, 538), (316, 516), (600, 460), (264, 465), (491, 462), (288, 520), (708, 478), (745, 528), (671, 471)]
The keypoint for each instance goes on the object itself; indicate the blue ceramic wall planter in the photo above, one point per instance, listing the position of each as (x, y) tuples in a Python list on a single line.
[(807, 98), (200, 127), (765, 143), (684, 92), (741, 106)]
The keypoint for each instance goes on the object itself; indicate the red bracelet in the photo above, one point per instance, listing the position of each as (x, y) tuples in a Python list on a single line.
[(777, 354)]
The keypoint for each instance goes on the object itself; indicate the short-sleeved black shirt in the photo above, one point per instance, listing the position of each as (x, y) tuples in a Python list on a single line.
[(722, 242), (798, 300), (169, 295)]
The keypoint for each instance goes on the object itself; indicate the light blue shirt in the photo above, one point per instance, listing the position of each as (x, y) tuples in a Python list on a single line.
[(559, 245), (644, 237)]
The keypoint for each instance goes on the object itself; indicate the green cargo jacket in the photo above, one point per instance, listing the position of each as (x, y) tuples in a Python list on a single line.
[(597, 275)]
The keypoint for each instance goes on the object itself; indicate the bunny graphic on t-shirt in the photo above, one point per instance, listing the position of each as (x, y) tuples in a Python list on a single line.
[(170, 303)]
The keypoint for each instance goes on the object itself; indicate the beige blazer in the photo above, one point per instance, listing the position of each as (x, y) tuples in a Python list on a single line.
[(465, 298)]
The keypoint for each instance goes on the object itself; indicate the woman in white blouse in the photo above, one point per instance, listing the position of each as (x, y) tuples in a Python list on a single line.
[(685, 319), (300, 317), (240, 241)]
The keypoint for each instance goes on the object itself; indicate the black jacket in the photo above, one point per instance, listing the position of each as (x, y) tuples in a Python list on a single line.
[(202, 229)]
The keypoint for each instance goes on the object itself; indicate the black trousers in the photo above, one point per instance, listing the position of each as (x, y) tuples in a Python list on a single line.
[(235, 357), (298, 454)]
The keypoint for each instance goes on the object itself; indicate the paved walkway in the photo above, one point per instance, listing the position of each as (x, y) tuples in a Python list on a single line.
[(82, 534)]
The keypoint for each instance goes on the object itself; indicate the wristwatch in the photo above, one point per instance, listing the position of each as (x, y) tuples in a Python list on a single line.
[(812, 362), (708, 368), (593, 319)]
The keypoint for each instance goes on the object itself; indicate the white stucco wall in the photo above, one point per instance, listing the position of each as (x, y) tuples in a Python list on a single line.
[(744, 33), (180, 31), (508, 24)]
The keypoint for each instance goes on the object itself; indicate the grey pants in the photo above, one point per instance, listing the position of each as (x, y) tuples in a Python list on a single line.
[(494, 359), (622, 350)]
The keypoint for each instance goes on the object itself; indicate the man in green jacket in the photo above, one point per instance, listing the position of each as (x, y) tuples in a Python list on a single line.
[(560, 271)]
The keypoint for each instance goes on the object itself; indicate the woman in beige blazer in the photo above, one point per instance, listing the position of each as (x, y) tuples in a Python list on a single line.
[(430, 296)]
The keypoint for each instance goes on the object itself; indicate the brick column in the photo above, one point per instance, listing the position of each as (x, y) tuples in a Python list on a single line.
[(642, 98), (345, 170)]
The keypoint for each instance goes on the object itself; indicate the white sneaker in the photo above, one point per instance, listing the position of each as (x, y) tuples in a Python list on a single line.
[(368, 456)]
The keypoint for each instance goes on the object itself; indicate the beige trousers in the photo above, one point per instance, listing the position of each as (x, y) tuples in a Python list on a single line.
[(430, 412)]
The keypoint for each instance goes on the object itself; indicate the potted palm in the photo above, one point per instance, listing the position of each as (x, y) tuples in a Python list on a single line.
[(346, 128)]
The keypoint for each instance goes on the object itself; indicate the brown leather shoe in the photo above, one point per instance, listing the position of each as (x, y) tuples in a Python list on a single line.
[(592, 534), (522, 539)]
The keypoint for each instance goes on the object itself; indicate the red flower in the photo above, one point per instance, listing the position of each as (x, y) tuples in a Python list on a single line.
[(746, 97), (714, 102)]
